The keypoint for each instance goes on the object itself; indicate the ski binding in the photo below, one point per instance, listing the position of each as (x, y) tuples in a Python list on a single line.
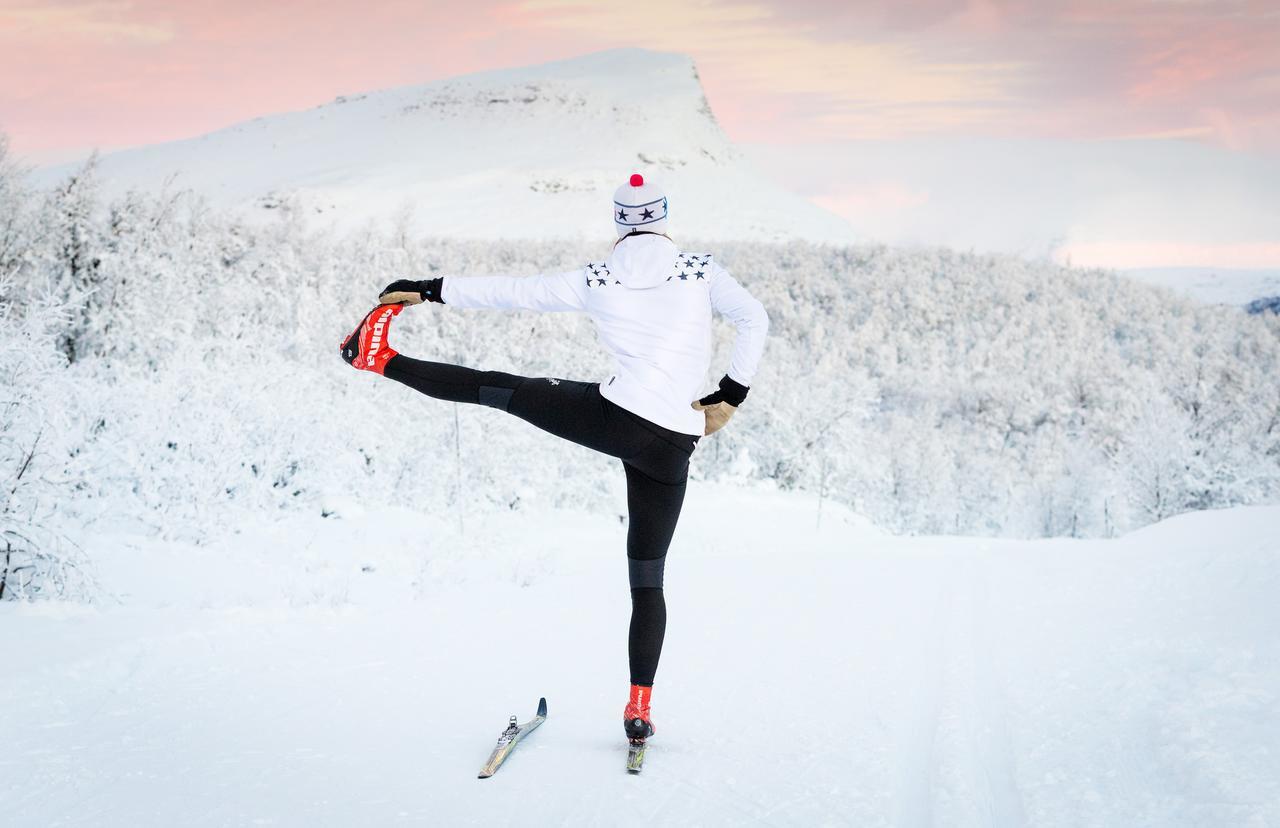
[(511, 737), (635, 756)]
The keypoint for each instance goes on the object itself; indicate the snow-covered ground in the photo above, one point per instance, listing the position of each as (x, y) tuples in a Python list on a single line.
[(1217, 286), (356, 670)]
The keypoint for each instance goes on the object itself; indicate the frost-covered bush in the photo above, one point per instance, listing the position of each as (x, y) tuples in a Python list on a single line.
[(1015, 397), (42, 416), (932, 390), (35, 469)]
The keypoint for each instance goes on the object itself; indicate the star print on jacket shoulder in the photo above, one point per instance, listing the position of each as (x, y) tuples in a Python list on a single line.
[(597, 274), (690, 267)]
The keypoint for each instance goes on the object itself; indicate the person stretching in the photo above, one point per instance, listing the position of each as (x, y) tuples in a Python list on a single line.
[(652, 306)]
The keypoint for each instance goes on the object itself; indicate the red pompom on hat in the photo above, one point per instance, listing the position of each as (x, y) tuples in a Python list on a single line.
[(638, 206)]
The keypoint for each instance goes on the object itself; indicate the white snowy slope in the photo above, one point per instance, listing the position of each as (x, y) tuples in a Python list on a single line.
[(533, 152), (1216, 286), (356, 671)]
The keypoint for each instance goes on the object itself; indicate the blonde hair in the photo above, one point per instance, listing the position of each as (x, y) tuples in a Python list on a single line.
[(642, 233)]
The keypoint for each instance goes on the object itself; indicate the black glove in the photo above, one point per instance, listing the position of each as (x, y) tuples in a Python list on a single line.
[(411, 292), (730, 392)]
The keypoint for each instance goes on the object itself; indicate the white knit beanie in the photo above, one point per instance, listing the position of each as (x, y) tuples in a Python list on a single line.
[(639, 206)]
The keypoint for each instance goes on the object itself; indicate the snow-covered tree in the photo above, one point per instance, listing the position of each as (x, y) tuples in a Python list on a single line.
[(189, 357)]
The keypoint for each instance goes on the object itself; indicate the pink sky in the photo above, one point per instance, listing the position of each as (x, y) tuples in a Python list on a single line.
[(837, 76), (111, 73)]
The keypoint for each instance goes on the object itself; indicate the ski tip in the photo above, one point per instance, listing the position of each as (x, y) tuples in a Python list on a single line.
[(542, 707)]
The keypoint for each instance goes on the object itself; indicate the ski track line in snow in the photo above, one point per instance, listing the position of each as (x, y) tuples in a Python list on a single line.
[(990, 755), (918, 723), (701, 796), (955, 753)]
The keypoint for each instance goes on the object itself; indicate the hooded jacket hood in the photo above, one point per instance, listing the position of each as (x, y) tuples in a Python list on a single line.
[(643, 261)]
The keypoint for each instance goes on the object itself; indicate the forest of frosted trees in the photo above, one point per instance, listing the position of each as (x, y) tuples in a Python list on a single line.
[(173, 370)]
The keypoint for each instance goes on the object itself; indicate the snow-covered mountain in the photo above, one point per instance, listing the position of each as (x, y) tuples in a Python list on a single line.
[(534, 152)]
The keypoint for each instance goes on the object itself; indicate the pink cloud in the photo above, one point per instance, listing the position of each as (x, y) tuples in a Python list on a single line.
[(112, 72), (222, 63)]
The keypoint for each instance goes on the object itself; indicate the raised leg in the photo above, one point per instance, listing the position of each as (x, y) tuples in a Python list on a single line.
[(572, 410)]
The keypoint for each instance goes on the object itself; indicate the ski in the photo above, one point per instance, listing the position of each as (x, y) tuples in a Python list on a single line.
[(511, 737), (635, 756)]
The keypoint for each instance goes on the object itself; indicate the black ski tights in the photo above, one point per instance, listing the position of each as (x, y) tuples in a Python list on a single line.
[(656, 461)]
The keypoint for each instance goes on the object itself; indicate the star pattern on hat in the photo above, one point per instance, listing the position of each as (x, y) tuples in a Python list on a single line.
[(629, 214)]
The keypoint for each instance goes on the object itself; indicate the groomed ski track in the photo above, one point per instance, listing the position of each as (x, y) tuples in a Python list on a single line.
[(301, 674)]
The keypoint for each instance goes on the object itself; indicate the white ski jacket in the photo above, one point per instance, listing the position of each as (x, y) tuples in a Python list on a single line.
[(652, 306)]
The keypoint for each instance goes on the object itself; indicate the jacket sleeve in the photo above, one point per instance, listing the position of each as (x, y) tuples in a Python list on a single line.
[(732, 301), (550, 292)]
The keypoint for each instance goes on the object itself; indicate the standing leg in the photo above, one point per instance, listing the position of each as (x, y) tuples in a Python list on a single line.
[(656, 481), (654, 509)]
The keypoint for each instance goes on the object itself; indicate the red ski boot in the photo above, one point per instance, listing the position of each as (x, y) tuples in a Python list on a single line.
[(368, 349), (636, 718)]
